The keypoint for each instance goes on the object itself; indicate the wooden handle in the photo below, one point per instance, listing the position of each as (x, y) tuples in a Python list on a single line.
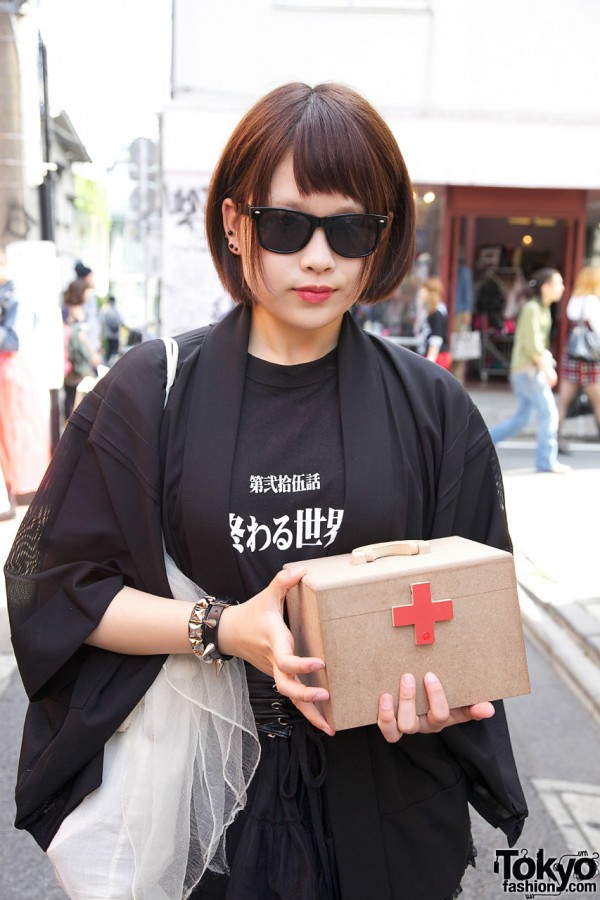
[(390, 548)]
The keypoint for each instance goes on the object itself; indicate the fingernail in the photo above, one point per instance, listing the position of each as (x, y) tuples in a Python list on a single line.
[(430, 678), (329, 731), (299, 571), (386, 701), (408, 680), (316, 666)]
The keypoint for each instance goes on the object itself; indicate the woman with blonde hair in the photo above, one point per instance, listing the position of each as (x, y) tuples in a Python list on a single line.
[(584, 305), (433, 333)]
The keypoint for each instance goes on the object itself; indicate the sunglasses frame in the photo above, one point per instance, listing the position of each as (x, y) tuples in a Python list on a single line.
[(254, 213)]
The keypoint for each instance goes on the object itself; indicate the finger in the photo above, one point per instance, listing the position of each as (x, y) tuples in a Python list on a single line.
[(310, 711), (286, 660), (286, 579), (386, 719), (439, 711), (408, 721), (297, 665), (296, 691), (480, 711)]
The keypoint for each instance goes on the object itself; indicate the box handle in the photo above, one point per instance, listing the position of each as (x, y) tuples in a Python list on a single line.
[(389, 548)]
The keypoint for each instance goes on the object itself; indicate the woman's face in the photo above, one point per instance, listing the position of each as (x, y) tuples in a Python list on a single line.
[(553, 289), (306, 292)]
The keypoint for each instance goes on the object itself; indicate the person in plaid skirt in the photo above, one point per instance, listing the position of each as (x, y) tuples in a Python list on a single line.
[(578, 373)]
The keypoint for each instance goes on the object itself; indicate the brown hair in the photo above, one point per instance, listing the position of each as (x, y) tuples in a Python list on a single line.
[(75, 294), (587, 281), (340, 144), (538, 280)]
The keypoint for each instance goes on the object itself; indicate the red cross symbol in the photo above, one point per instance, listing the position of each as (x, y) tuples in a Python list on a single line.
[(423, 612)]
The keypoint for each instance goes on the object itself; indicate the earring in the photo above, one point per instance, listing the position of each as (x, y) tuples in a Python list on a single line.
[(230, 232), (231, 247)]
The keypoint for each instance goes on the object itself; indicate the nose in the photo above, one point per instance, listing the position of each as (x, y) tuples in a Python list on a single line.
[(318, 255)]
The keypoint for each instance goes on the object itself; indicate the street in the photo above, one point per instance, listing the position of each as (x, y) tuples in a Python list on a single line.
[(555, 740)]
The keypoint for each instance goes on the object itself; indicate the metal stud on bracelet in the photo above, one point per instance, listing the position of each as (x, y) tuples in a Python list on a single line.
[(195, 630), (203, 628)]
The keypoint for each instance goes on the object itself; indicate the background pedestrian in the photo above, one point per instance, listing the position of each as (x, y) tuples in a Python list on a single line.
[(24, 431), (583, 305), (533, 372), (110, 325), (432, 331)]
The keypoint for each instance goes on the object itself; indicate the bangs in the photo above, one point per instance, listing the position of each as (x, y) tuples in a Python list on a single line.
[(332, 154)]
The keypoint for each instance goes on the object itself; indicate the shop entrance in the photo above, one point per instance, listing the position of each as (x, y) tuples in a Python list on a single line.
[(497, 238)]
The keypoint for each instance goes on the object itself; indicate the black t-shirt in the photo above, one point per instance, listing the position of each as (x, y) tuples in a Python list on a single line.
[(287, 488)]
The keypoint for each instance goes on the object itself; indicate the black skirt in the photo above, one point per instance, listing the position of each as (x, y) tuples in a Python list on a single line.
[(280, 847)]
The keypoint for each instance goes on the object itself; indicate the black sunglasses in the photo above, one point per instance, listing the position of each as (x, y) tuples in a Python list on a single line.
[(352, 235)]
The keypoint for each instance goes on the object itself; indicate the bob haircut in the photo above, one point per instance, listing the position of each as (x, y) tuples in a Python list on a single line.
[(340, 144), (587, 282), (538, 280)]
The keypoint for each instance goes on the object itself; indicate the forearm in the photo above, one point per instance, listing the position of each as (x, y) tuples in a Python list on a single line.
[(143, 624)]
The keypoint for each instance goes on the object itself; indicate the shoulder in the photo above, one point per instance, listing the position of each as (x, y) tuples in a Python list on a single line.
[(419, 376), (531, 311), (579, 302), (133, 389)]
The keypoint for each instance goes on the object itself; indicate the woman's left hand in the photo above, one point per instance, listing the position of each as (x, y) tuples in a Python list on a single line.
[(439, 715)]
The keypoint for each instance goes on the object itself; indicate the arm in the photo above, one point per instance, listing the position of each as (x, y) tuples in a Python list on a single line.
[(436, 338), (140, 623), (534, 342)]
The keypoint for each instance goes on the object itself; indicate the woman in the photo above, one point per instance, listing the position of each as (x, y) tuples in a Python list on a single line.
[(433, 332), (533, 372), (310, 210), (584, 305), (80, 357), (24, 435)]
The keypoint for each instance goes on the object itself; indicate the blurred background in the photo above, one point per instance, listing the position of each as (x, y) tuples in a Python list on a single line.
[(112, 115)]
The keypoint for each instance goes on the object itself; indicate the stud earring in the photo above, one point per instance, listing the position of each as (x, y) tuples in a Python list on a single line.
[(230, 233)]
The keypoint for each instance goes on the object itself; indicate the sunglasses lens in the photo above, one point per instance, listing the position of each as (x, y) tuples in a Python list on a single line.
[(353, 236), (282, 230)]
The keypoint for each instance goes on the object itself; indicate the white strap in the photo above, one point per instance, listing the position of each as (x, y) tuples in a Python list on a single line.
[(172, 349)]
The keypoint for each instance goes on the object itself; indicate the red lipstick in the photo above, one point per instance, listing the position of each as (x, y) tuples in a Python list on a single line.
[(314, 293)]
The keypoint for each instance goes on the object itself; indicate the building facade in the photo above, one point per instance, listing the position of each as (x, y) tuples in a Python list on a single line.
[(494, 106)]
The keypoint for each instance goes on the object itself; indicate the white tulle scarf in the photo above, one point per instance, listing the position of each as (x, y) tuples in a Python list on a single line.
[(175, 776)]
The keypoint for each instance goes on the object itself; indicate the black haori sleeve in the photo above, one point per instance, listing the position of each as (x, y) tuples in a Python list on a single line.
[(93, 526)]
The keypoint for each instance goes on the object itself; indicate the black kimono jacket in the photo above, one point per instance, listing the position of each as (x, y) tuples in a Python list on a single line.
[(419, 464)]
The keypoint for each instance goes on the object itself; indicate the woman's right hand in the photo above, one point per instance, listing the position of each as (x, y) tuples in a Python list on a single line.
[(256, 632)]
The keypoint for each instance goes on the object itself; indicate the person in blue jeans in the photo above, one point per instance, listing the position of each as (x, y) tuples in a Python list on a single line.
[(533, 372)]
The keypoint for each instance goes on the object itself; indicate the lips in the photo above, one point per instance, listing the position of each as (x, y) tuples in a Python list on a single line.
[(314, 293)]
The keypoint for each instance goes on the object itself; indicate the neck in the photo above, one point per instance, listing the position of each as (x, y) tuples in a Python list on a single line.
[(288, 346)]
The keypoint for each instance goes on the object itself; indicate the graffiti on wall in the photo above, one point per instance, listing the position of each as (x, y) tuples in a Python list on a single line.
[(192, 294)]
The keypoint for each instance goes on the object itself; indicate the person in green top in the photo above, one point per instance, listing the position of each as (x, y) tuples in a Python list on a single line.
[(533, 372)]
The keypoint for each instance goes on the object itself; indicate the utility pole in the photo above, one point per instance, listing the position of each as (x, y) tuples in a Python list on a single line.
[(13, 218), (46, 193)]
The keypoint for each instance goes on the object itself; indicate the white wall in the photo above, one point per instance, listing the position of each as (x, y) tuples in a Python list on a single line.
[(482, 92)]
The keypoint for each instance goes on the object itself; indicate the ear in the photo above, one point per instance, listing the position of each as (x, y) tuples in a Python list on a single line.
[(231, 218)]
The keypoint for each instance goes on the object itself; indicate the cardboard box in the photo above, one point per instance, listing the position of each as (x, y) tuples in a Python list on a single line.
[(357, 612)]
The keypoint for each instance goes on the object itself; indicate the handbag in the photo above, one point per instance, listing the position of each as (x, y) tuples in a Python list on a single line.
[(175, 775), (465, 345), (583, 344)]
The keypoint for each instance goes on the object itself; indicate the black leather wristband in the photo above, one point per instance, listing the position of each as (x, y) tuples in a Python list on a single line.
[(210, 627)]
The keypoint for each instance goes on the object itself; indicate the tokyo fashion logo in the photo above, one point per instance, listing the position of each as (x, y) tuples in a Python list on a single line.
[(537, 876)]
